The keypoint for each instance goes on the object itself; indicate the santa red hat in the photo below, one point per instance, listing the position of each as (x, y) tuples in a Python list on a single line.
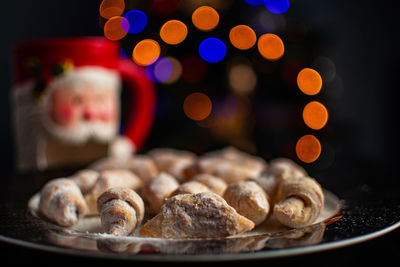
[(48, 57)]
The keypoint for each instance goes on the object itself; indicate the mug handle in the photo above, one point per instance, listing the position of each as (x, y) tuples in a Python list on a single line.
[(142, 100)]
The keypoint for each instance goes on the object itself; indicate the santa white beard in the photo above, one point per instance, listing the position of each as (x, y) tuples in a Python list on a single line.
[(81, 132)]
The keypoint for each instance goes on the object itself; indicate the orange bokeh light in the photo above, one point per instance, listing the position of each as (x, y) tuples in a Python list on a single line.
[(309, 81), (308, 148), (205, 18), (173, 32), (111, 8), (146, 52), (315, 115), (242, 37), (271, 46), (113, 29), (197, 106)]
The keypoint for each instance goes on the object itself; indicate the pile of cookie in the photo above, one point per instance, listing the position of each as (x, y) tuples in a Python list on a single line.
[(169, 193)]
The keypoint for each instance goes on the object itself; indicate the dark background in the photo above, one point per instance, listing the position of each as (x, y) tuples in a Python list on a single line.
[(359, 37)]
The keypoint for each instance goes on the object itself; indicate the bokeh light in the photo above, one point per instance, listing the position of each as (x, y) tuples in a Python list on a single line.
[(165, 7), (296, 30), (231, 114), (309, 81), (225, 107), (277, 6), (271, 46), (315, 115), (137, 21), (111, 8), (308, 148), (242, 78), (116, 28), (159, 71), (176, 71), (122, 54), (268, 22), (255, 2), (334, 89), (188, 6), (224, 103), (197, 106), (173, 32), (146, 52), (194, 69), (325, 67), (205, 18), (242, 37), (212, 50)]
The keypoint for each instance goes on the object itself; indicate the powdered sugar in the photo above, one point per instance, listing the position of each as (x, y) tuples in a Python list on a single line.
[(118, 217), (62, 201)]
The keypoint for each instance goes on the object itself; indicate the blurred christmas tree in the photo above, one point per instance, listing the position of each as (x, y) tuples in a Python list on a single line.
[(218, 87)]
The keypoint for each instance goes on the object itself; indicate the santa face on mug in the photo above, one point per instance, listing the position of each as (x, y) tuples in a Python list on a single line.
[(82, 104)]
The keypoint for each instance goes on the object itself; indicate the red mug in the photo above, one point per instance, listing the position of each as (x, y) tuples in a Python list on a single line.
[(66, 102)]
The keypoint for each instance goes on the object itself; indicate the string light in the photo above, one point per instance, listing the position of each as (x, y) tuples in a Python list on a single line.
[(241, 77), (205, 18), (242, 37), (277, 6), (255, 2), (194, 69), (309, 81), (165, 7), (271, 46), (325, 67), (212, 50), (160, 71), (146, 52), (308, 148), (173, 32), (197, 106), (116, 28), (122, 54), (137, 21), (176, 71), (111, 8), (315, 115)]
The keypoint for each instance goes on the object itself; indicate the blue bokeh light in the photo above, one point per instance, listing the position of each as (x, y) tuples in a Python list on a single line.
[(160, 71), (255, 2), (122, 54), (277, 6), (137, 21), (212, 50)]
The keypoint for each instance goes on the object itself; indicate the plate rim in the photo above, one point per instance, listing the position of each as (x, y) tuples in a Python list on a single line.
[(276, 253)]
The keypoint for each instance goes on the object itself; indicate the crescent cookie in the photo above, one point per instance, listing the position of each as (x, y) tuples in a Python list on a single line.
[(108, 179), (249, 200), (202, 215), (121, 211), (61, 201), (299, 201)]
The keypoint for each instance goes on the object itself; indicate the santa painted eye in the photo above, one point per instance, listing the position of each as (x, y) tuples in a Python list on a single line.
[(76, 100)]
